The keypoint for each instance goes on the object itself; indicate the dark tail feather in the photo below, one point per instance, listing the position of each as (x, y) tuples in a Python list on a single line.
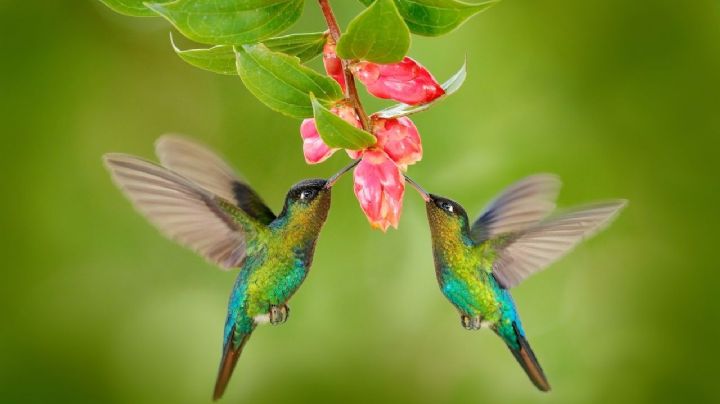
[(526, 358), (230, 357)]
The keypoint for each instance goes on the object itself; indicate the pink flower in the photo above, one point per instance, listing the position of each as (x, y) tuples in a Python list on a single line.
[(379, 187), (314, 149), (379, 182), (333, 64), (406, 81), (399, 139)]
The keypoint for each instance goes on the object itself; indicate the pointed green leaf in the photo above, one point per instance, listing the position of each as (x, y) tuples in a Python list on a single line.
[(304, 46), (221, 58), (450, 86), (436, 17), (229, 22), (218, 59), (335, 132), (134, 8), (378, 34), (281, 82)]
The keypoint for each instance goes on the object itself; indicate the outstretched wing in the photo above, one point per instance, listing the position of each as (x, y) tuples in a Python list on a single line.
[(521, 254), (205, 168), (518, 207), (183, 211)]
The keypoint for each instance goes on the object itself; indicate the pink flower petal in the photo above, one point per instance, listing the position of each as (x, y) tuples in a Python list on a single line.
[(354, 154), (379, 187), (332, 63), (347, 113), (314, 149), (406, 81), (399, 139)]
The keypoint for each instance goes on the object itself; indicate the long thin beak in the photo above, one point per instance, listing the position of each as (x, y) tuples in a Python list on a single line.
[(418, 188), (332, 180)]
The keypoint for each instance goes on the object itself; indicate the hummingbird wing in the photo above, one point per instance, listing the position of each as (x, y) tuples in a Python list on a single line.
[(205, 168), (519, 206), (183, 211), (523, 253)]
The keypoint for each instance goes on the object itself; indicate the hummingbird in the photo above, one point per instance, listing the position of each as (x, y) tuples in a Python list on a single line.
[(517, 235), (195, 198)]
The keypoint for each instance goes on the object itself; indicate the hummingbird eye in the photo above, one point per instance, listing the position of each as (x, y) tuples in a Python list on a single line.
[(307, 194), (447, 206)]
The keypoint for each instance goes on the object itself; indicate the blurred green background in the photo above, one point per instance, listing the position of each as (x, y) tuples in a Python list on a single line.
[(620, 98)]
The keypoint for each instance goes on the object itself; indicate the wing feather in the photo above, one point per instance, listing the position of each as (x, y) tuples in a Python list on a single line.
[(518, 207), (180, 209), (208, 170), (533, 249)]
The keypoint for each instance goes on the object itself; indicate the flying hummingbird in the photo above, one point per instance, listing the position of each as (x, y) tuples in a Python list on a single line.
[(476, 264), (196, 199)]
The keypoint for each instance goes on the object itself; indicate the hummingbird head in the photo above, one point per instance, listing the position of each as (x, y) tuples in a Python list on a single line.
[(305, 211), (446, 215), (449, 228), (308, 201)]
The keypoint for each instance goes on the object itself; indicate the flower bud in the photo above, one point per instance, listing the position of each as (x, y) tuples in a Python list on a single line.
[(379, 187), (399, 139), (406, 81), (314, 149), (333, 64)]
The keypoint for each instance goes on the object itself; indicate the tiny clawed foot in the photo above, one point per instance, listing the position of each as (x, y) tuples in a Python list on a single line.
[(279, 314), (471, 323)]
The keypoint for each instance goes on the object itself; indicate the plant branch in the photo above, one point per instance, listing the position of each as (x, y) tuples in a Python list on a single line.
[(350, 88), (330, 18)]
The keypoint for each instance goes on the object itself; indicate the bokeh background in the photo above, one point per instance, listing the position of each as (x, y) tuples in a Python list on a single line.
[(620, 98)]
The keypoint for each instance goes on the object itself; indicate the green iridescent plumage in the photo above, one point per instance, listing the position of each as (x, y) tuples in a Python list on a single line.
[(476, 264), (196, 199)]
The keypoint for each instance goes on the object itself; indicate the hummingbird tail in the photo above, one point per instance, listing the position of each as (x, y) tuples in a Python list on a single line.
[(526, 358), (230, 356)]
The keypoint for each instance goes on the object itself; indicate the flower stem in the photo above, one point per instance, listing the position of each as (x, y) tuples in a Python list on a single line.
[(350, 87)]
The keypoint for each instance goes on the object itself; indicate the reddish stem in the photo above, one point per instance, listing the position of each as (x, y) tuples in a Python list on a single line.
[(330, 18), (350, 88)]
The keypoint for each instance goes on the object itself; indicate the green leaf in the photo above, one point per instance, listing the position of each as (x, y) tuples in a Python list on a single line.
[(281, 82), (436, 17), (378, 34), (229, 22), (134, 8), (450, 86), (335, 132), (218, 59), (304, 46), (221, 58)]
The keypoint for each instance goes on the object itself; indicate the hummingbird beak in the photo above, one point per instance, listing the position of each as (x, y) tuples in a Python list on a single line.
[(332, 180), (418, 188)]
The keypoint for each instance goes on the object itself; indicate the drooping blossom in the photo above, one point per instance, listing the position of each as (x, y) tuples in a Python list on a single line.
[(406, 81), (379, 187)]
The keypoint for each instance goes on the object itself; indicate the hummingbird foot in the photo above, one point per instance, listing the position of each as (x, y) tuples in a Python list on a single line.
[(471, 323), (279, 314)]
